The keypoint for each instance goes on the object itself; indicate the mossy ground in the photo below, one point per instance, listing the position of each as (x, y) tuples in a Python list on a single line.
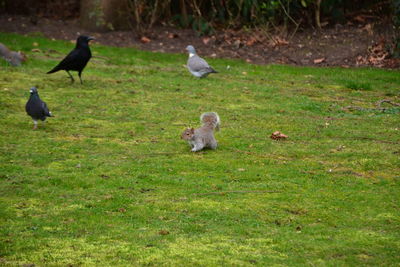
[(109, 182)]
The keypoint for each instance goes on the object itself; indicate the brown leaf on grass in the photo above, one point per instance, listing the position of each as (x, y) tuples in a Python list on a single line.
[(36, 50), (277, 135), (122, 210), (145, 40), (319, 60), (104, 176), (163, 232)]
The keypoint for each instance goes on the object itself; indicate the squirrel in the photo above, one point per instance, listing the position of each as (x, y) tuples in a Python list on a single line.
[(204, 136), (12, 57)]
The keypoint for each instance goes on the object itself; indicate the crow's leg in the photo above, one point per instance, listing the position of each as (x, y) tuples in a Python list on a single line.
[(79, 74), (72, 78), (35, 123)]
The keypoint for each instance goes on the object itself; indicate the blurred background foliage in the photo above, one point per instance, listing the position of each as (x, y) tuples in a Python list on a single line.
[(206, 16)]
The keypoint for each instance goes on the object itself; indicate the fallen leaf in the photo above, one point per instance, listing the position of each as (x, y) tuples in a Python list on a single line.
[(237, 43), (206, 40), (122, 210), (35, 44), (277, 135), (319, 60), (172, 35), (163, 232), (278, 41), (359, 18), (36, 50), (145, 40), (251, 41), (368, 29)]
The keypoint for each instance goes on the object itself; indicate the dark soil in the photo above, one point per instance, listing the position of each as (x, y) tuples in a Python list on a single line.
[(338, 45)]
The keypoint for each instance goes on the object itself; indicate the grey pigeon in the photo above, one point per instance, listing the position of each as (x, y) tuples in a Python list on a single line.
[(196, 65), (14, 58), (77, 59), (36, 108)]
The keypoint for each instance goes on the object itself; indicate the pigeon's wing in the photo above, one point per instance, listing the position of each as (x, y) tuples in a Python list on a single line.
[(28, 107), (196, 63), (45, 109)]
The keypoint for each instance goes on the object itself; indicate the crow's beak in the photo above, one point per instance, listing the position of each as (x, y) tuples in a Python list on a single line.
[(91, 38)]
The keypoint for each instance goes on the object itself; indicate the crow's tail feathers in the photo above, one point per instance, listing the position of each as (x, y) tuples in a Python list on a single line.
[(55, 69)]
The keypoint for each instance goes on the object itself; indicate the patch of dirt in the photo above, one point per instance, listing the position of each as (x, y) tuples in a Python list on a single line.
[(347, 45)]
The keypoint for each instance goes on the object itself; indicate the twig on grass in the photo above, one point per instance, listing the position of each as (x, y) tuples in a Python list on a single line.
[(355, 108), (237, 192), (100, 57), (380, 102), (366, 138), (156, 154)]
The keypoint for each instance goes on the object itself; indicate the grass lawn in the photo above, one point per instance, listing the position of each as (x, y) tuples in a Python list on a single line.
[(109, 182)]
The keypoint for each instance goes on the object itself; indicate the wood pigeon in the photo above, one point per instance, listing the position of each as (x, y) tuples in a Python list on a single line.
[(196, 65), (36, 108)]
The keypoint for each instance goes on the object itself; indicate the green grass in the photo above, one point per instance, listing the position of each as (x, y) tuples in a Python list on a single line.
[(109, 182)]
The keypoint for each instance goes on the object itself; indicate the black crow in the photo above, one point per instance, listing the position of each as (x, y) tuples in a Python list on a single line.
[(36, 108), (77, 59)]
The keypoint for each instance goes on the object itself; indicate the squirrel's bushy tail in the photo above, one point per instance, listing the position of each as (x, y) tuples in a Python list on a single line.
[(210, 119)]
